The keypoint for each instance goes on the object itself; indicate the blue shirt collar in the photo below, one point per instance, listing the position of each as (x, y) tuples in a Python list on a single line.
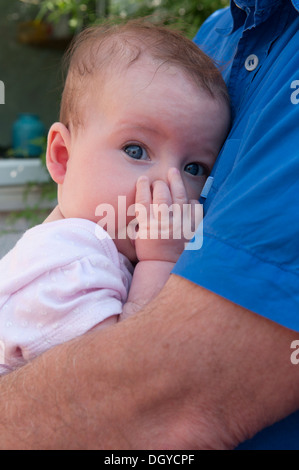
[(262, 9), (263, 4)]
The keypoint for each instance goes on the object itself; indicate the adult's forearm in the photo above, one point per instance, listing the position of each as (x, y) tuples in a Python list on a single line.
[(120, 388), (75, 396), (191, 371), (59, 401), (104, 390)]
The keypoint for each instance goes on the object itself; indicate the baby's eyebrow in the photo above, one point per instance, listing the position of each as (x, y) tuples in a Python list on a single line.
[(139, 127)]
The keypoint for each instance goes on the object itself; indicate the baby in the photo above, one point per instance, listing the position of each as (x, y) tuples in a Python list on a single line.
[(144, 114)]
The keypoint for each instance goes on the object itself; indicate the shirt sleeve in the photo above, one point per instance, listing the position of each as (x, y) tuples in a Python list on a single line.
[(55, 298), (250, 251)]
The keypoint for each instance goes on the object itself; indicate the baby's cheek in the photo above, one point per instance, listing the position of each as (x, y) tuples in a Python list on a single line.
[(194, 188), (128, 206)]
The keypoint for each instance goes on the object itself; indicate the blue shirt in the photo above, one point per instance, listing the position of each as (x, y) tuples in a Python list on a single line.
[(250, 251)]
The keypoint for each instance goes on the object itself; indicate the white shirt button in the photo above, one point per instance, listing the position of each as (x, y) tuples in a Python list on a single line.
[(251, 62)]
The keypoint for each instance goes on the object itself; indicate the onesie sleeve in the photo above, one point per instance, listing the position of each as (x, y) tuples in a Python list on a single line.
[(62, 292)]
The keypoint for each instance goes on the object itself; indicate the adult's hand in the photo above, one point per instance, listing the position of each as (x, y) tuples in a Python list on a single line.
[(191, 371)]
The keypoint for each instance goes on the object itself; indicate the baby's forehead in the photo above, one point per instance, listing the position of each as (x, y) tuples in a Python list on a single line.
[(128, 65), (146, 77), (100, 57)]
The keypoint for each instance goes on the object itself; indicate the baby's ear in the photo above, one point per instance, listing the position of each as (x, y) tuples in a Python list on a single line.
[(58, 151)]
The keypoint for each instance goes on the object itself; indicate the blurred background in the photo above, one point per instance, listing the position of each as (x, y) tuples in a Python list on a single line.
[(34, 35)]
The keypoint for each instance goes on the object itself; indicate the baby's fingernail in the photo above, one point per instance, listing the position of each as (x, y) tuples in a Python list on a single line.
[(142, 179)]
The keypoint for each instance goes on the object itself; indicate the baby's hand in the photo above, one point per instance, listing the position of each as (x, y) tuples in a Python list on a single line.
[(161, 215)]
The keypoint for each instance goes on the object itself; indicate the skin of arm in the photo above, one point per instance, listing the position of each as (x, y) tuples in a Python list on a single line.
[(190, 371), (157, 256)]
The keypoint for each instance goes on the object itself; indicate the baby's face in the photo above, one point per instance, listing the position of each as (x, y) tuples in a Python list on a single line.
[(143, 123)]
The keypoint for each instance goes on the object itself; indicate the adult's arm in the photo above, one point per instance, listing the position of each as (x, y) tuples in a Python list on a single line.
[(191, 371)]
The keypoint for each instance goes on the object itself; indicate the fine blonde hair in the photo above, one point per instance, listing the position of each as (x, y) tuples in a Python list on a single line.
[(104, 48)]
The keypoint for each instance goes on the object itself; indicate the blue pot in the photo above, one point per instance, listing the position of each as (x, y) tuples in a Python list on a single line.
[(26, 129)]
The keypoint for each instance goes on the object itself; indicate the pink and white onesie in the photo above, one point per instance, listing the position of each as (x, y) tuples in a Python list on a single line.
[(60, 280)]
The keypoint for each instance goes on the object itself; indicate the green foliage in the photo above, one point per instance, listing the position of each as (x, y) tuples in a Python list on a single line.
[(79, 13), (186, 14)]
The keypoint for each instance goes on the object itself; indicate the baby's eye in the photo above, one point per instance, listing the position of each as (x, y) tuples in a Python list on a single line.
[(136, 151), (196, 169)]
